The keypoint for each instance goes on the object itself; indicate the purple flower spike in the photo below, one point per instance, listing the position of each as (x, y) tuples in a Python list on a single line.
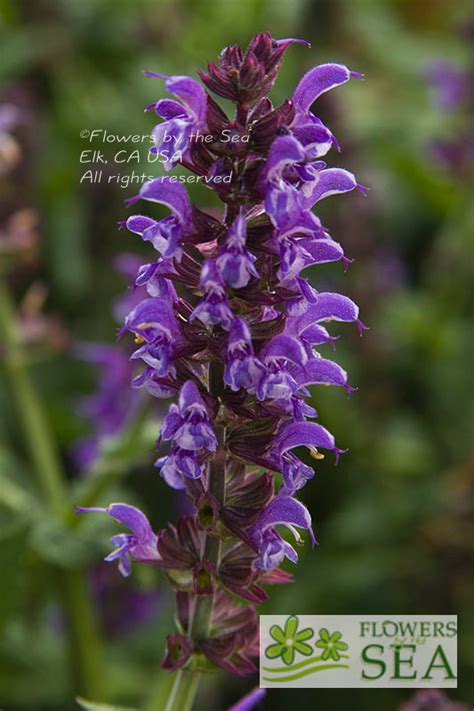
[(226, 323), (140, 544)]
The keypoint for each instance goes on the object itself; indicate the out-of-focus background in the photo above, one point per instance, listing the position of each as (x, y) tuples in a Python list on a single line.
[(394, 519)]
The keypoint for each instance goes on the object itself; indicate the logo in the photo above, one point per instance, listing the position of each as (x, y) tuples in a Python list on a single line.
[(348, 651)]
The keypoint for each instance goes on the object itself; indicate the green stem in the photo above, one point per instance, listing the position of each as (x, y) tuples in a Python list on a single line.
[(200, 624), (85, 648), (42, 451), (174, 692), (83, 636), (185, 684), (183, 692)]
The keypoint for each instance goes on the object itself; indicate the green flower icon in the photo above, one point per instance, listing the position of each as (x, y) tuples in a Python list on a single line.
[(330, 644), (289, 641)]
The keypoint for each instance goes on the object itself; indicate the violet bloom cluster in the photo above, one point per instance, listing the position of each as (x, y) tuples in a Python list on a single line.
[(230, 328), (453, 97), (113, 405)]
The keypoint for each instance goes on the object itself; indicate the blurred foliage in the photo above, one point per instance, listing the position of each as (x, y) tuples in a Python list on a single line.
[(394, 520)]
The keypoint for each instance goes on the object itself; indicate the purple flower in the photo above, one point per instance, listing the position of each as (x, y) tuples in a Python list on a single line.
[(297, 254), (243, 369), (282, 356), (214, 309), (166, 235), (272, 547), (113, 405), (156, 332), (183, 118), (139, 545), (300, 434), (451, 84), (179, 466), (454, 150), (235, 263), (432, 700), (187, 425), (294, 186)]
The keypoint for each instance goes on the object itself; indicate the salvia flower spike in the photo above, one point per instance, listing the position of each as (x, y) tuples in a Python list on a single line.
[(228, 328)]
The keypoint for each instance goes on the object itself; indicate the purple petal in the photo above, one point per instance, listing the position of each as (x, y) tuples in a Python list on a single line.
[(290, 40), (139, 223), (239, 334), (317, 81), (133, 518), (320, 371), (284, 510), (190, 93), (168, 109), (304, 434), (190, 398), (329, 307), (151, 312), (250, 700), (285, 347), (316, 335), (324, 250), (284, 151), (283, 204), (331, 182), (167, 192), (316, 139)]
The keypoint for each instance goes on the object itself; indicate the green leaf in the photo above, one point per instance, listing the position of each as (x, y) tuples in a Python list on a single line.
[(56, 542), (94, 706)]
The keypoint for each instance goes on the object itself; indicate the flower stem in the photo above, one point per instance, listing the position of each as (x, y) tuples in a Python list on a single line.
[(174, 692), (201, 621), (83, 636), (185, 685), (183, 692)]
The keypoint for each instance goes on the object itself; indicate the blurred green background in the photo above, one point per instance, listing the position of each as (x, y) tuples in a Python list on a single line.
[(394, 520)]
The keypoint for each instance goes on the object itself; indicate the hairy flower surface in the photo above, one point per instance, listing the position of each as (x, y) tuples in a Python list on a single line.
[(229, 327)]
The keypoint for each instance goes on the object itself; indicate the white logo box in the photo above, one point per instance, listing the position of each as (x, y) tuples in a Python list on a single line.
[(354, 651)]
